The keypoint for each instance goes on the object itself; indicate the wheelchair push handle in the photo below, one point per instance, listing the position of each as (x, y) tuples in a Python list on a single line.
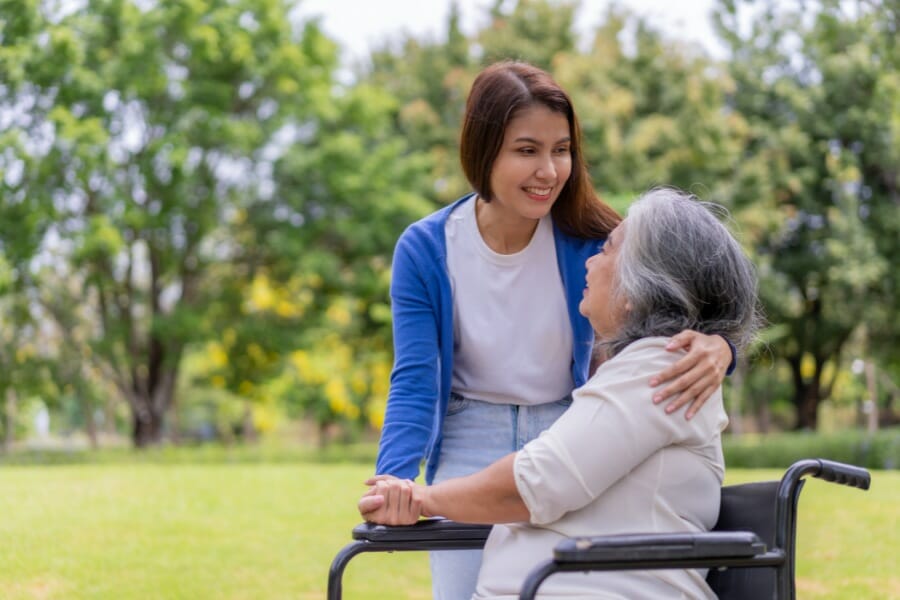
[(844, 474)]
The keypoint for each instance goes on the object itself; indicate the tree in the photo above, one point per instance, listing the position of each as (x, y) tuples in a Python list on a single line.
[(150, 126), (430, 79), (22, 367), (817, 184), (535, 31), (346, 191), (650, 108)]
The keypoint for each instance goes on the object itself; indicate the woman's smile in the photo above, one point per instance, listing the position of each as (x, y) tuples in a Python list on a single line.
[(540, 194)]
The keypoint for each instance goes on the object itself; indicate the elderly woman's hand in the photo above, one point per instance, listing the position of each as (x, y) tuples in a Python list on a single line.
[(697, 374), (391, 501)]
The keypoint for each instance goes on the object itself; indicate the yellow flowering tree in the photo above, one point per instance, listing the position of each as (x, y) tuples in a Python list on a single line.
[(342, 379)]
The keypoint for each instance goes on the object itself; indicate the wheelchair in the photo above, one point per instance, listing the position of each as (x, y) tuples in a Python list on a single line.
[(749, 553)]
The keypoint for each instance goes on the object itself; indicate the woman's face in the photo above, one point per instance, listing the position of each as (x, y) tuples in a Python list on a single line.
[(533, 163), (598, 304)]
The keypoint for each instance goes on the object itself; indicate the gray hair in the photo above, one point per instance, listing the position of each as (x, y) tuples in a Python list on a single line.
[(679, 268)]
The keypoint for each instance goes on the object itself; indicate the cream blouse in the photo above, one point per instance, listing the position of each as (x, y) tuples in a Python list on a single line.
[(613, 463)]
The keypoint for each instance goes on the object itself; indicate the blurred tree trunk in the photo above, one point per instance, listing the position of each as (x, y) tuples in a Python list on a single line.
[(109, 416), (248, 429), (9, 411), (887, 417), (871, 405), (806, 395), (150, 399), (90, 424)]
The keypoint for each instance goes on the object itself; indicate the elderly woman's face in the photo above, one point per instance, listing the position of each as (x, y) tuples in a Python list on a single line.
[(597, 303)]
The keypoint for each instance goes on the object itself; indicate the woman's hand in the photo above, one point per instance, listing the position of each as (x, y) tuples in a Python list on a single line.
[(391, 501), (697, 374)]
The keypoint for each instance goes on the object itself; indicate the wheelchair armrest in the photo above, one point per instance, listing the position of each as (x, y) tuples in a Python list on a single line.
[(643, 547), (425, 531), (427, 534), (652, 551)]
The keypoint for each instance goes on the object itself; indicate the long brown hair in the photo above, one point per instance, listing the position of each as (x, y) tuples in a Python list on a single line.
[(499, 92)]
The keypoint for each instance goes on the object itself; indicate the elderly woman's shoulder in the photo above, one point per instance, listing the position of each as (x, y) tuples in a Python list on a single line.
[(644, 346), (644, 356)]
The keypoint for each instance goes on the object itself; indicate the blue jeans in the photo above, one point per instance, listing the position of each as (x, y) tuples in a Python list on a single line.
[(475, 435)]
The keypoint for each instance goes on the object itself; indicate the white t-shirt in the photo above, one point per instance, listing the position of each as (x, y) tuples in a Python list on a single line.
[(613, 463), (512, 339)]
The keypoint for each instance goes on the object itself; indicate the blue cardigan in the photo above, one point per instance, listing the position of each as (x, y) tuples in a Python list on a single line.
[(422, 308)]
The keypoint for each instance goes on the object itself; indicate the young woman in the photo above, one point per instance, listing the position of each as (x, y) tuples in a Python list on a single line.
[(612, 463), (488, 340)]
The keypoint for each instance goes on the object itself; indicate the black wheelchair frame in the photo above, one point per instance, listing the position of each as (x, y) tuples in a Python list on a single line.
[(756, 530)]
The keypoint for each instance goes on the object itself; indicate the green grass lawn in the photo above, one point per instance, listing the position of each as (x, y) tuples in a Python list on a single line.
[(257, 531)]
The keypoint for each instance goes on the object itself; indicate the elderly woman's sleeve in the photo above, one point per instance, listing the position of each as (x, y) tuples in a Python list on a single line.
[(611, 428)]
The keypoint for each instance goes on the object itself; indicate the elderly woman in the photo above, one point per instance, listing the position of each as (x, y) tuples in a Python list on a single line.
[(612, 463)]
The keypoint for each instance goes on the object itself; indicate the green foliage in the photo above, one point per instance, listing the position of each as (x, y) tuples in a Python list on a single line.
[(817, 179), (158, 115), (804, 166), (651, 115), (873, 451), (535, 31), (194, 147), (189, 183), (430, 80), (650, 108)]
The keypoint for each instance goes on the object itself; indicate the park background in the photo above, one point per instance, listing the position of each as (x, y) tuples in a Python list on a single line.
[(198, 205)]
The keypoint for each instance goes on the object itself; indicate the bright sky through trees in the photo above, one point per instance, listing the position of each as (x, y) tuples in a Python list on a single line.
[(358, 25)]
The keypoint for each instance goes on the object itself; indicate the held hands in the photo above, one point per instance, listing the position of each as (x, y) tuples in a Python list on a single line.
[(391, 501), (697, 374)]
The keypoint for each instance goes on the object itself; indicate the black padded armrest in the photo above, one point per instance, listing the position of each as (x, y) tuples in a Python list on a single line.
[(428, 534), (426, 530), (714, 544)]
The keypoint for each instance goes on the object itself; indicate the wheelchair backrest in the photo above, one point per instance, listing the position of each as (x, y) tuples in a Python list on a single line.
[(748, 507)]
